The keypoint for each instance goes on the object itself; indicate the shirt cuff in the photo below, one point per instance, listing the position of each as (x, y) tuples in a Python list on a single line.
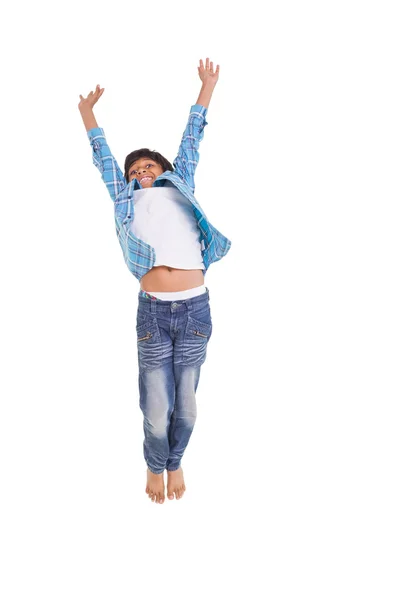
[(95, 132), (199, 108)]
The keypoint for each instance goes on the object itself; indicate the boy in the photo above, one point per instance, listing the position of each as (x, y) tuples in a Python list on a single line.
[(168, 245)]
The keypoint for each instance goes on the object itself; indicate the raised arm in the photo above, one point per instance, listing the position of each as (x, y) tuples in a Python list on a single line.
[(209, 81), (188, 155), (102, 157)]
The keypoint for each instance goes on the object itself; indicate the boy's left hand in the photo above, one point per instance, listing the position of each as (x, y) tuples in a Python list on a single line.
[(207, 74)]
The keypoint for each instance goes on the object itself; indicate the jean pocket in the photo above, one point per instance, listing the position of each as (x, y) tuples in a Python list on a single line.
[(142, 318), (197, 335), (149, 344), (202, 315)]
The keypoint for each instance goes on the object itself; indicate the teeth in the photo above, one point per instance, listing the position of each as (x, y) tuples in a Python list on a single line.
[(145, 179)]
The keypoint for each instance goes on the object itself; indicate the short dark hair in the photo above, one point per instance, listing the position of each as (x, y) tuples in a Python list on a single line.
[(146, 153)]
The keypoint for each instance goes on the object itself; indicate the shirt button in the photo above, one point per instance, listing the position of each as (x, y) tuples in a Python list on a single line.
[(174, 305)]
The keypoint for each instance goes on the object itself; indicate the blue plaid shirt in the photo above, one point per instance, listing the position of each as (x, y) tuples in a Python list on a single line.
[(138, 255)]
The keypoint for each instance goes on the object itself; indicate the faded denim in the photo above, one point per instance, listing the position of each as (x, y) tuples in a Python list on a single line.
[(172, 339)]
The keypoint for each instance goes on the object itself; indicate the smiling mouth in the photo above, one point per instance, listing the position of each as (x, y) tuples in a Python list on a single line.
[(144, 179)]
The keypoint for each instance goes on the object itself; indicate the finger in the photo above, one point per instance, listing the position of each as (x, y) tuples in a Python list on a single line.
[(207, 63), (217, 69), (211, 65)]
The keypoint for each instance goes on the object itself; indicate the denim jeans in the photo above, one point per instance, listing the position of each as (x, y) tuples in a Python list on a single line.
[(172, 338)]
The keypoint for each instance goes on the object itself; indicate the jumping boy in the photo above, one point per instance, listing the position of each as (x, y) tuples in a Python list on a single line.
[(168, 244)]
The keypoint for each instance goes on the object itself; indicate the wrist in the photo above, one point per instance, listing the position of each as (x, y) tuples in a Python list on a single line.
[(208, 84), (86, 110)]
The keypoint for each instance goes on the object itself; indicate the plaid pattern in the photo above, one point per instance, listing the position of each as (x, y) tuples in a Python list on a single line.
[(138, 255), (147, 295)]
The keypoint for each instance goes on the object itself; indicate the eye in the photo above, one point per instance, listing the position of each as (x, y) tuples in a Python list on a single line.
[(147, 166)]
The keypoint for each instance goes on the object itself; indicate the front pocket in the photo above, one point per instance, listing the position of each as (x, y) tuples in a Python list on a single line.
[(197, 335), (199, 328), (147, 329), (146, 337), (143, 320), (149, 345), (200, 334)]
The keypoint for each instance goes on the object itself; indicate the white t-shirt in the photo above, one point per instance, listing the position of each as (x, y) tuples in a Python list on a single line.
[(163, 218)]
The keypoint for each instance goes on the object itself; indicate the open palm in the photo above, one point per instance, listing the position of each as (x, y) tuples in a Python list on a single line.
[(207, 73)]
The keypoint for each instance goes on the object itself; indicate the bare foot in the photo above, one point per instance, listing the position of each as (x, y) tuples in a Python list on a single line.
[(155, 486), (175, 484)]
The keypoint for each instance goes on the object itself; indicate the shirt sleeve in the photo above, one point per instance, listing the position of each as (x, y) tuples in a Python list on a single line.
[(188, 155), (106, 163)]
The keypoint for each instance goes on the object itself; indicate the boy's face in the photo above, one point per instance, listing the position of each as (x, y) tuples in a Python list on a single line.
[(145, 168)]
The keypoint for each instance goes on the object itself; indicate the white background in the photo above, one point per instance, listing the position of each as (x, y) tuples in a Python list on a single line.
[(292, 472)]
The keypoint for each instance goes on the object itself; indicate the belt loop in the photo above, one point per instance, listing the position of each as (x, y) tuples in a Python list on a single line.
[(189, 304), (153, 306)]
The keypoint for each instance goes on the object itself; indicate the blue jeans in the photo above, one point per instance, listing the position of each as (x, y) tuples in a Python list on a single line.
[(172, 338)]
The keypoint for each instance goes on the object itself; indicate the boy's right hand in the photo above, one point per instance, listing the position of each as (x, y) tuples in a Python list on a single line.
[(90, 101)]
